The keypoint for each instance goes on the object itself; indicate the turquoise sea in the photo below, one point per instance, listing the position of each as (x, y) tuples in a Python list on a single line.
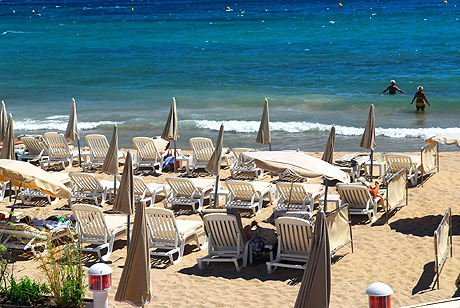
[(317, 62)]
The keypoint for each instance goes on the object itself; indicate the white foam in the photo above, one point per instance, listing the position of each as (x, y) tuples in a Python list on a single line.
[(297, 127), (53, 123), (13, 32)]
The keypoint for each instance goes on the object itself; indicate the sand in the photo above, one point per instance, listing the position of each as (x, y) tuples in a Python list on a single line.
[(400, 253)]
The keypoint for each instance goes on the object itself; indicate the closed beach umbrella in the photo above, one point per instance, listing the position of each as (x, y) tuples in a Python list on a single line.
[(134, 286), (368, 140), (3, 121), (263, 136), (213, 165), (25, 175), (170, 131), (328, 155), (124, 202), (315, 290), (72, 129), (110, 165), (8, 141)]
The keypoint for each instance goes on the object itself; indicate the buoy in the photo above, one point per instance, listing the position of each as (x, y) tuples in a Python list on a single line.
[(39, 14), (445, 1), (33, 11), (340, 4), (132, 9)]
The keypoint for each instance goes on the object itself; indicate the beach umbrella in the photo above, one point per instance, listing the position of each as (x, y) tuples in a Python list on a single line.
[(296, 163), (25, 175), (328, 154), (170, 131), (3, 121), (134, 286), (315, 290), (368, 141), (72, 129), (124, 202), (213, 165), (110, 165), (8, 141), (263, 136)]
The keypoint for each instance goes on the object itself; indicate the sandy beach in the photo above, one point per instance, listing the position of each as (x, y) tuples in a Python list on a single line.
[(400, 253)]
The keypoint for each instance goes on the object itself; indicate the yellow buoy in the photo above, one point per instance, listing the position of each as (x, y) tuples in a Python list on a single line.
[(33, 11), (445, 1), (132, 9), (340, 4), (39, 14)]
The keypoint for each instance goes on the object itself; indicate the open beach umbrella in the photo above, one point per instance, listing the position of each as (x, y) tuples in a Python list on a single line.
[(72, 129), (25, 175), (170, 131), (213, 165), (328, 154), (134, 286), (263, 136), (110, 165), (368, 141), (124, 202), (3, 121), (296, 163), (8, 141), (315, 290)]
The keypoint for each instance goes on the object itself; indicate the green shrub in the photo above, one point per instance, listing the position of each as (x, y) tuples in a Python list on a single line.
[(26, 292)]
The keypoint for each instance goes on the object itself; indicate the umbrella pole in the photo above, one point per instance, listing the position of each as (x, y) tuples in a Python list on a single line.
[(215, 190), (269, 146), (325, 197), (114, 187), (175, 157), (290, 194), (79, 153), (11, 189), (372, 163), (15, 200), (127, 235)]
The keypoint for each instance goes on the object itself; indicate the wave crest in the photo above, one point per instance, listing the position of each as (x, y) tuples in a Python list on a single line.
[(51, 123)]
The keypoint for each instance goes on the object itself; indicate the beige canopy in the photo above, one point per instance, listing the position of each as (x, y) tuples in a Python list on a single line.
[(297, 163), (213, 165), (445, 139), (110, 165), (28, 176), (124, 201), (72, 129), (328, 155), (368, 141), (3, 121), (315, 290), (8, 141), (170, 131), (263, 136), (134, 286)]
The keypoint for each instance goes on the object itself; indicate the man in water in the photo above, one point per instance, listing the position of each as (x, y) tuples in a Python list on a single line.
[(393, 88), (421, 99)]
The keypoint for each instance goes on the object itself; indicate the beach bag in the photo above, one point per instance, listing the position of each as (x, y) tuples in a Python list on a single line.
[(268, 236), (169, 159)]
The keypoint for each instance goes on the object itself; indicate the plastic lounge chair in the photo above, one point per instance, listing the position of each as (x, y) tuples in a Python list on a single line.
[(34, 149), (87, 186), (226, 240), (24, 237), (95, 228), (301, 196), (188, 192), (58, 149), (202, 152), (147, 153), (359, 200), (169, 235), (248, 195), (146, 192), (339, 225), (397, 162), (3, 186), (294, 236), (30, 193), (239, 166), (98, 148)]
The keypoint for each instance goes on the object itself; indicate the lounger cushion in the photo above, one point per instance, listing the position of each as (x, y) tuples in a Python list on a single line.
[(115, 222), (185, 226)]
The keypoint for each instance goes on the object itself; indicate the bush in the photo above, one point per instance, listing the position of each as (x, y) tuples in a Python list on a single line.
[(64, 270), (26, 292)]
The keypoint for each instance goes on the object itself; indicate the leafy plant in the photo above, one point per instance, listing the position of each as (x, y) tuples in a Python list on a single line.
[(64, 270), (26, 292)]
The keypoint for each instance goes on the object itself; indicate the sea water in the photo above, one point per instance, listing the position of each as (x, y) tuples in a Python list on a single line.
[(318, 63)]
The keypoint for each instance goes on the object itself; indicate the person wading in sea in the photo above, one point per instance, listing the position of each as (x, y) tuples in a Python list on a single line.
[(421, 99), (393, 88)]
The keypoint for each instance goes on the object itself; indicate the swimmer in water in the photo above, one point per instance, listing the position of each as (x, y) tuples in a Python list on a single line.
[(421, 99), (393, 88)]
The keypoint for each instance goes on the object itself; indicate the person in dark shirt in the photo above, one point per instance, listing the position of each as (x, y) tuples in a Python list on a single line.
[(393, 88)]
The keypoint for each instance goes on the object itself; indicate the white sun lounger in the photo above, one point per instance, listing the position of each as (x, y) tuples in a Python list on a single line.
[(168, 235), (34, 149), (98, 148), (302, 196), (202, 152), (239, 166), (58, 149), (87, 186), (147, 153), (248, 195), (359, 200), (188, 192)]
